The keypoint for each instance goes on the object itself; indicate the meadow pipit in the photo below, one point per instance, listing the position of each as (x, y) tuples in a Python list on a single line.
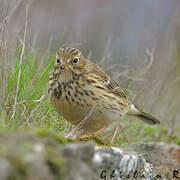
[(77, 86)]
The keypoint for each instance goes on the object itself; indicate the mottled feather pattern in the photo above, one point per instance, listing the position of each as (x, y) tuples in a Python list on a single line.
[(77, 85)]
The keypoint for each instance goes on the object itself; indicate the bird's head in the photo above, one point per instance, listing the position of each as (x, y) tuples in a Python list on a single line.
[(69, 59)]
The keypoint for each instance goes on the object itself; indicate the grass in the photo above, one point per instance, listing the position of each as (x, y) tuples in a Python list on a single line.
[(33, 84), (32, 113)]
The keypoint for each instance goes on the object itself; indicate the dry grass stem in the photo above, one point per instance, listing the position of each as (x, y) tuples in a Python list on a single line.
[(29, 101), (80, 125), (151, 55), (40, 101), (126, 73), (3, 48), (119, 128), (106, 49), (20, 62)]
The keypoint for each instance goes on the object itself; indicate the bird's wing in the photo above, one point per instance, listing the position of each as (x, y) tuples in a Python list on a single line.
[(115, 88), (112, 86)]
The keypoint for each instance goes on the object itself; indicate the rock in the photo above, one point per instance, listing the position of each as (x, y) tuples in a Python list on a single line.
[(164, 157), (44, 155), (4, 168)]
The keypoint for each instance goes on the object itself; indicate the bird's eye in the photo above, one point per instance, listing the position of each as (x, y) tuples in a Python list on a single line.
[(76, 60), (57, 60)]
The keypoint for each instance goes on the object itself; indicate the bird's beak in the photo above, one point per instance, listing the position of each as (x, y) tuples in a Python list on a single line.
[(63, 65)]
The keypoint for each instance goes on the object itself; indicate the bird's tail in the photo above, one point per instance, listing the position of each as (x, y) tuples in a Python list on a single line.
[(146, 117)]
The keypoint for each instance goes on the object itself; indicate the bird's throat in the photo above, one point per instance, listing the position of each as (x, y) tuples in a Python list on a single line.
[(66, 76)]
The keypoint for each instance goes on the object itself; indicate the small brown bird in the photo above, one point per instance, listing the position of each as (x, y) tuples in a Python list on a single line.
[(78, 86)]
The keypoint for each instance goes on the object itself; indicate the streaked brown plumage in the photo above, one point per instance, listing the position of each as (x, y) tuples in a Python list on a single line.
[(77, 85)]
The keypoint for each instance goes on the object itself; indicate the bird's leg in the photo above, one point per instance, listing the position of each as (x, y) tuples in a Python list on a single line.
[(111, 134), (99, 131), (114, 134), (96, 133), (82, 133)]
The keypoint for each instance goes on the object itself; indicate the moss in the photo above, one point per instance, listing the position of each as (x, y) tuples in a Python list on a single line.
[(63, 140), (20, 169), (54, 161), (98, 140), (101, 142), (45, 133), (41, 132)]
